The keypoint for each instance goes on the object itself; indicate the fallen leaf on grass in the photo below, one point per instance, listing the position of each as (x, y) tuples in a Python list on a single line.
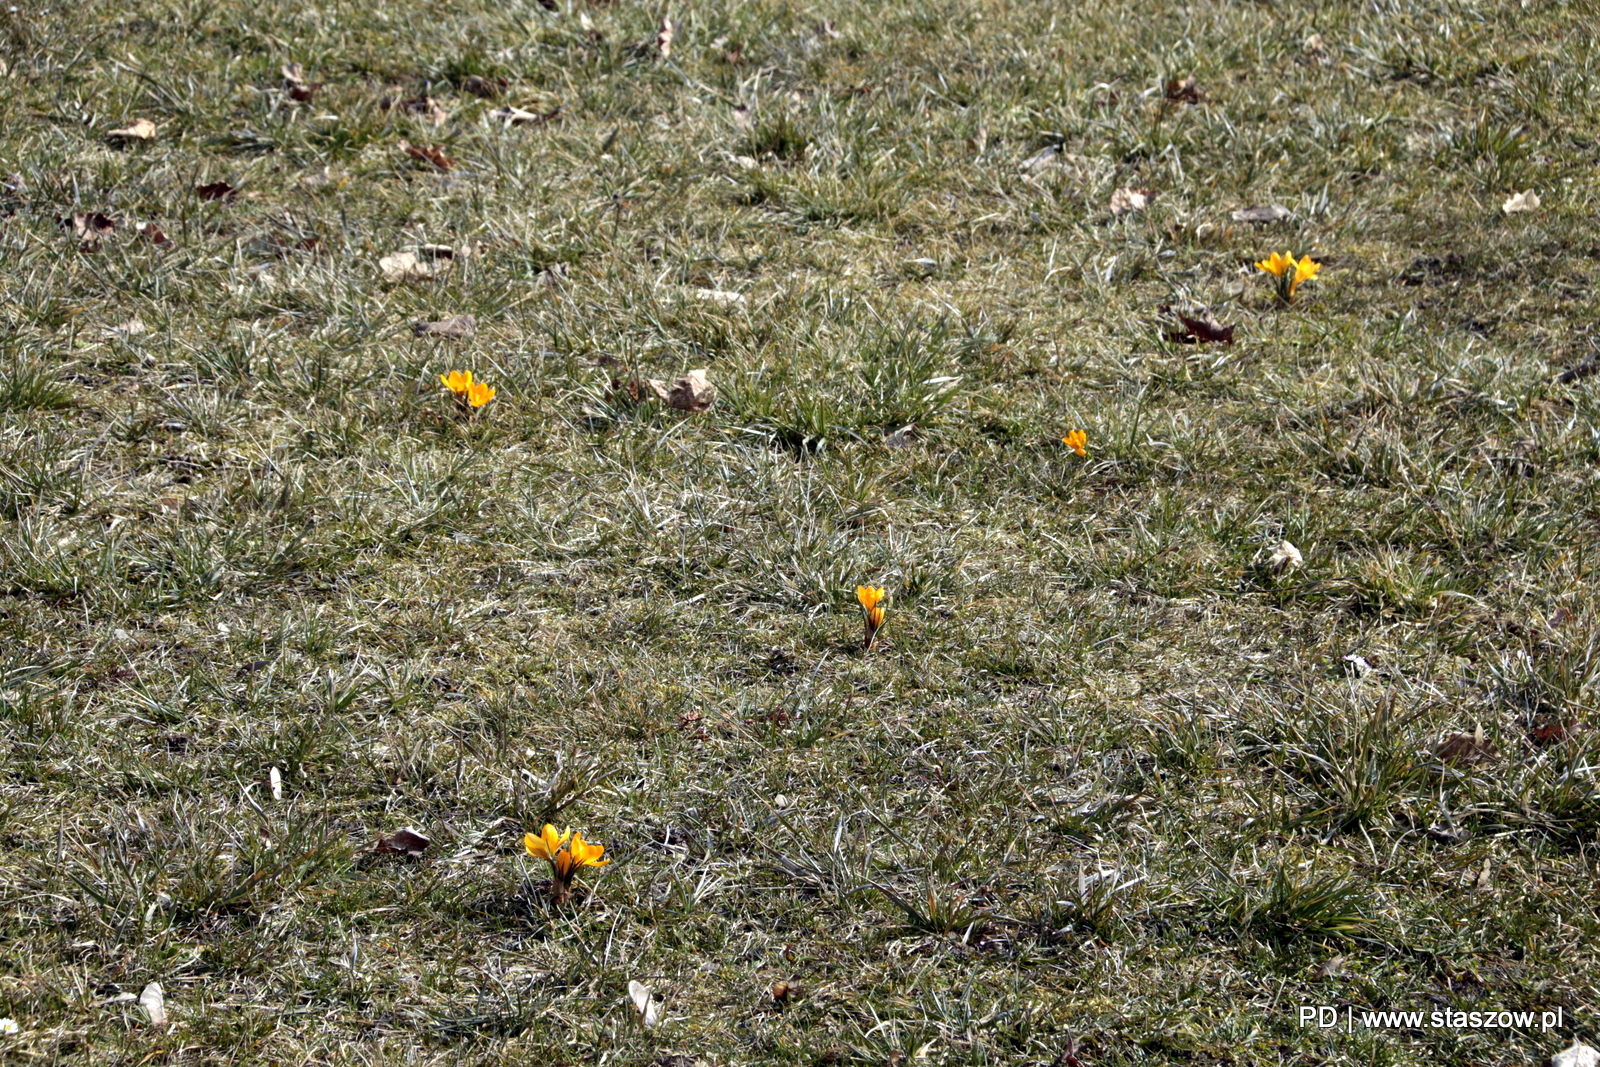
[(1129, 199), (638, 390), (216, 191), (138, 130), (693, 392), (1201, 328), (154, 1004), (404, 842), (1463, 748), (1578, 1055), (294, 82), (645, 1004), (1262, 213), (402, 266), (901, 438), (1528, 201), (1285, 558), (90, 227), (1186, 91), (1551, 731), (152, 233), (428, 154), (664, 37), (457, 326)]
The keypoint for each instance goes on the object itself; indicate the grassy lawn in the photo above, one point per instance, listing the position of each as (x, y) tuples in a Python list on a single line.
[(1119, 783)]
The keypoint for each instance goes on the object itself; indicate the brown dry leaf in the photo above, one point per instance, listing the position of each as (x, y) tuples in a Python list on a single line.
[(1262, 213), (294, 82), (786, 992), (1130, 199), (458, 326), (217, 191), (1464, 748), (664, 37), (154, 1004), (403, 842), (1203, 328), (90, 227), (638, 390), (1187, 91), (1551, 731), (693, 392), (152, 233), (138, 130), (428, 154)]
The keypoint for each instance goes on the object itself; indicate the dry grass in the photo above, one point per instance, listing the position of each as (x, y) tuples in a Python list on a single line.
[(1108, 784)]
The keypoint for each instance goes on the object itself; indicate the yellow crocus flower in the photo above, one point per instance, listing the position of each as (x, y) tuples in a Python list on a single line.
[(479, 394)]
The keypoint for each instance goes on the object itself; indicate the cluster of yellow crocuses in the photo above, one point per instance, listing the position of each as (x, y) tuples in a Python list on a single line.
[(1289, 272), (471, 395), (567, 852), (871, 600)]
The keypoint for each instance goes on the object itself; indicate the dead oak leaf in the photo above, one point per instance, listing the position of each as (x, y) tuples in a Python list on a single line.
[(433, 154), (216, 191), (403, 842), (1201, 328), (455, 327)]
